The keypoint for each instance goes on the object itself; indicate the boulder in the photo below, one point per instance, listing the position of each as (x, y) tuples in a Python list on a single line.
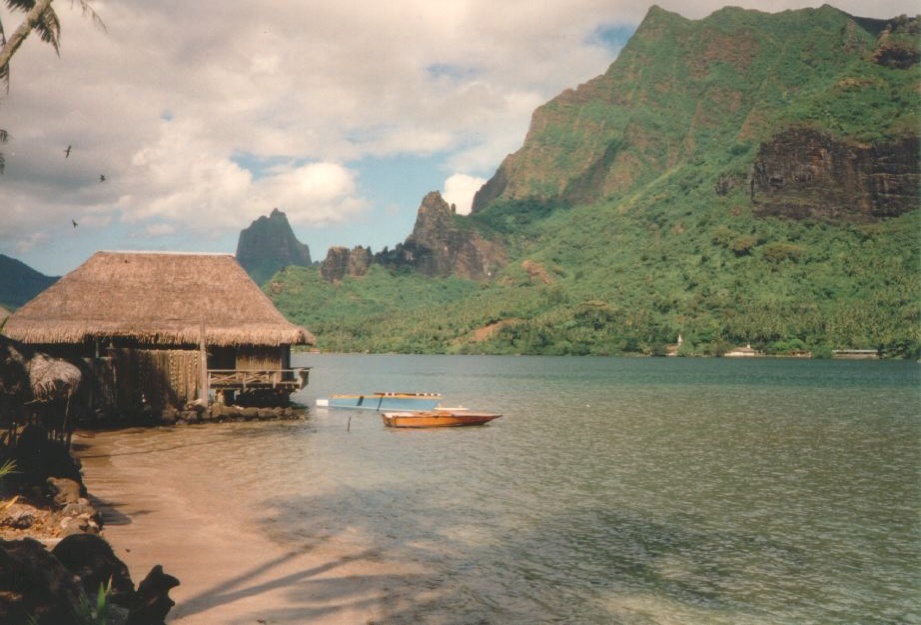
[(64, 491), (35, 588), (152, 602), (93, 561)]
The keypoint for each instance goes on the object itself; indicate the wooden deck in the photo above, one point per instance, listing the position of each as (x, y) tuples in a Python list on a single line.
[(289, 380)]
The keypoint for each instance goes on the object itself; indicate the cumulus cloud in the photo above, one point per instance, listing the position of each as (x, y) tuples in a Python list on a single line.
[(315, 193), (459, 191)]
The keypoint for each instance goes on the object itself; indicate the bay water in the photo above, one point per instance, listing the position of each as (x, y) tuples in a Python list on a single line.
[(612, 491)]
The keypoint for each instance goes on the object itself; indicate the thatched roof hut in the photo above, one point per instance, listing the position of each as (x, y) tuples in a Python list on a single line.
[(155, 298), (161, 329)]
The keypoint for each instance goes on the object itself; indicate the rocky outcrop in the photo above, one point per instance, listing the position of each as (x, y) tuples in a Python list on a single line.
[(804, 174), (440, 245), (899, 45), (60, 587), (269, 244), (341, 262)]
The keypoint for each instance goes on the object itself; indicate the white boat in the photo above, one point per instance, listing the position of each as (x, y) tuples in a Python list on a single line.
[(382, 401)]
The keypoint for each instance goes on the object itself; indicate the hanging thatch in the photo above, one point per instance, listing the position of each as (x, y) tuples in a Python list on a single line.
[(155, 299), (28, 375), (14, 372)]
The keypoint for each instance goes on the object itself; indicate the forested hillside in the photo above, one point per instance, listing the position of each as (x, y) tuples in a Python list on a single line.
[(746, 178)]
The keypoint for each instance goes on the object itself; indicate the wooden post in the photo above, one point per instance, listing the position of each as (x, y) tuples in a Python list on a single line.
[(203, 359)]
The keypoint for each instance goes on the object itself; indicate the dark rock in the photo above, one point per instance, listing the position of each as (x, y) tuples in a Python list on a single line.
[(169, 415), (35, 588), (269, 244), (21, 520), (93, 561), (152, 602), (341, 262), (805, 174), (38, 458), (439, 247)]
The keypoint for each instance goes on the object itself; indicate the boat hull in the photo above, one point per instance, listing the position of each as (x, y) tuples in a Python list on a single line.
[(382, 401), (437, 418)]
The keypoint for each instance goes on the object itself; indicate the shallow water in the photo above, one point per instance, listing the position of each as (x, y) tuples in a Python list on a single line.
[(632, 491)]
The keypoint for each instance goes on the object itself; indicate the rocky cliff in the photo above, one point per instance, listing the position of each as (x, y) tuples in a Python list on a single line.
[(443, 244), (807, 174), (341, 262), (269, 244)]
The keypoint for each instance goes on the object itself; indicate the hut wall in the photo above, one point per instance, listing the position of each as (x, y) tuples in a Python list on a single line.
[(261, 358), (155, 377)]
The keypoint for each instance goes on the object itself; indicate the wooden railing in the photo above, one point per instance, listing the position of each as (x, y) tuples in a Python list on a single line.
[(245, 379)]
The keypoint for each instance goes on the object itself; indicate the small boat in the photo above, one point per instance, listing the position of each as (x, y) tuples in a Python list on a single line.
[(447, 417), (383, 401)]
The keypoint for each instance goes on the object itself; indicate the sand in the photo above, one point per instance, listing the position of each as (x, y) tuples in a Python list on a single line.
[(229, 572)]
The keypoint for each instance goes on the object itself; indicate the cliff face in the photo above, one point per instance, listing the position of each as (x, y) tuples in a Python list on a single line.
[(341, 262), (806, 174), (269, 244), (703, 94), (440, 246)]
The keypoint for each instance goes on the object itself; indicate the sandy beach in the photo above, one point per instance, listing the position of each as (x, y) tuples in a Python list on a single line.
[(230, 572)]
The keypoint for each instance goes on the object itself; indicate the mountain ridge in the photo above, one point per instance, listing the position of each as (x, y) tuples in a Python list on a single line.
[(19, 283)]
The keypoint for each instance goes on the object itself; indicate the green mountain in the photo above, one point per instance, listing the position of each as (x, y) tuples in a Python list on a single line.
[(19, 283), (745, 178)]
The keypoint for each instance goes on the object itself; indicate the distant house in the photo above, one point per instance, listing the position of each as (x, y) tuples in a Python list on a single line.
[(164, 329), (742, 352)]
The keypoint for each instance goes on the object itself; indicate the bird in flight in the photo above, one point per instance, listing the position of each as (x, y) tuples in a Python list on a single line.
[(67, 152), (74, 222), (102, 177)]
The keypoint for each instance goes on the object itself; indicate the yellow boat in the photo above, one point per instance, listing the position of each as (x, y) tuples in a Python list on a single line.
[(452, 417)]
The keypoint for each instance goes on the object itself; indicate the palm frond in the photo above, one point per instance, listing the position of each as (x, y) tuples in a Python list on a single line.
[(48, 29), (88, 10)]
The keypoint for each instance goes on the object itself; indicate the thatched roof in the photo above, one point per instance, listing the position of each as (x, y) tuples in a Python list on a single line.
[(155, 298)]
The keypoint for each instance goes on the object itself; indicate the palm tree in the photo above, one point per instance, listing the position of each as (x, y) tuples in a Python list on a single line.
[(40, 19)]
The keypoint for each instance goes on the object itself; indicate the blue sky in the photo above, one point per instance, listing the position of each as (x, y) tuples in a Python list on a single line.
[(342, 115)]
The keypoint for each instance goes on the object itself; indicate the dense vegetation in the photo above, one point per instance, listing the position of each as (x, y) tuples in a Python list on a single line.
[(676, 250), (598, 280)]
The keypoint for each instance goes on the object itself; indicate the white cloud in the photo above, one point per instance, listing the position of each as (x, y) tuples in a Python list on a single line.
[(316, 193), (459, 191)]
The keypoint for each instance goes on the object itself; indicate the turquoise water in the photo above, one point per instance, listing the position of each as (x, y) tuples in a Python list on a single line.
[(630, 490), (613, 491)]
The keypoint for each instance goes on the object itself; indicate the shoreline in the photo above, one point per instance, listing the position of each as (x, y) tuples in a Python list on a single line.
[(229, 571)]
